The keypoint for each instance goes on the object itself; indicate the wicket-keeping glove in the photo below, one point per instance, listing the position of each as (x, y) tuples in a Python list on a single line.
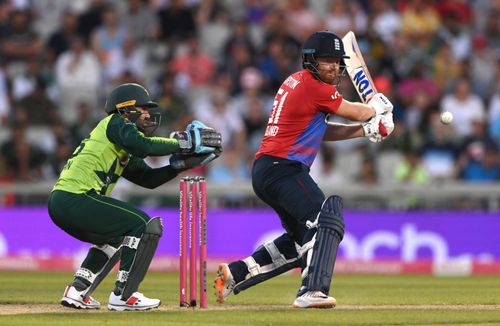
[(198, 138), (185, 161)]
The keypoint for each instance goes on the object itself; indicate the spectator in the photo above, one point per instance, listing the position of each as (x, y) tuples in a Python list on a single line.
[(19, 41), (78, 77), (446, 67), (4, 97), (324, 168), (47, 15), (23, 161), (486, 169), (484, 68), (108, 36), (300, 20), (455, 32), (233, 169), (240, 36), (252, 105), (90, 19), (141, 22), (129, 58), (194, 64), (176, 22), (368, 173), (277, 32), (359, 17), (86, 122), (174, 107), (473, 147), (217, 113), (276, 64), (411, 170), (24, 81), (215, 29), (464, 105), (494, 116), (60, 40), (38, 106), (239, 58), (419, 21), (338, 18), (57, 160), (386, 21), (439, 150), (492, 30)]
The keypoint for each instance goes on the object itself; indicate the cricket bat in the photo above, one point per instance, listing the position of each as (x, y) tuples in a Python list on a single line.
[(359, 73)]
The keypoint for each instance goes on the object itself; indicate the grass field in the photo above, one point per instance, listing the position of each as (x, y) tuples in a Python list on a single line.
[(29, 298)]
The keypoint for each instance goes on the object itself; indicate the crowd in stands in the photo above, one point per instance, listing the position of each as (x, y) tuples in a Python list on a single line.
[(221, 61)]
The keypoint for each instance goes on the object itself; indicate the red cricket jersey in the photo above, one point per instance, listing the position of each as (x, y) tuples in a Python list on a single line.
[(297, 122)]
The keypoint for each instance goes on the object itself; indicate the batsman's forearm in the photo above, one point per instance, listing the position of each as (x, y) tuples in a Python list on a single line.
[(339, 131), (355, 111)]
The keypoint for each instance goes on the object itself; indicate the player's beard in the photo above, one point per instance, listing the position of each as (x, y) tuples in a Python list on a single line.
[(330, 77)]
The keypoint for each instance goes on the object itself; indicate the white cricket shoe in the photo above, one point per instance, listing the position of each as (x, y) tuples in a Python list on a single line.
[(224, 283), (137, 301), (73, 298), (314, 299)]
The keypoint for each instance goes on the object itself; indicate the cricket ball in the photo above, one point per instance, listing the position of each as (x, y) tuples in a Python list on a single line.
[(446, 117)]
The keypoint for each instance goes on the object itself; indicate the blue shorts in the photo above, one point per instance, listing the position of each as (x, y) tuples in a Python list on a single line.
[(288, 188)]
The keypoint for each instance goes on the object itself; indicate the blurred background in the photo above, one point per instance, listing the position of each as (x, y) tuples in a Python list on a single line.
[(221, 61)]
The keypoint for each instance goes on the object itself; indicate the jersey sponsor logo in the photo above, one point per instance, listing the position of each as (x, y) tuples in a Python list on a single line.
[(291, 82), (362, 83)]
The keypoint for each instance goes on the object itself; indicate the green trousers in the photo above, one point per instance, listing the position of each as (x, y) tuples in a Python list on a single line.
[(99, 220)]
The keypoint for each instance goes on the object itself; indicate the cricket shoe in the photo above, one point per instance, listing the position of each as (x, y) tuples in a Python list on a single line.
[(73, 298), (224, 283), (314, 299), (137, 301)]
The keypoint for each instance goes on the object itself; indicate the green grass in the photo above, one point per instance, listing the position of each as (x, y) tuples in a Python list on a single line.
[(362, 300)]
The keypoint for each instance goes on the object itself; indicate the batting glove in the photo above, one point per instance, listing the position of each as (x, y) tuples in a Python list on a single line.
[(371, 126), (379, 127), (380, 103)]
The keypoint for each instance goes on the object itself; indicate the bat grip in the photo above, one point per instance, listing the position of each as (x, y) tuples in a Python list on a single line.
[(382, 130)]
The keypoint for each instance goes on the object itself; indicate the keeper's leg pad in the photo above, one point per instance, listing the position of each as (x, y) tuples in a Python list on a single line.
[(143, 256), (95, 279), (330, 231), (284, 255)]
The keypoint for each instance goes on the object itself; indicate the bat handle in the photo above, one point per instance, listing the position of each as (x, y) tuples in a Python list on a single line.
[(382, 130)]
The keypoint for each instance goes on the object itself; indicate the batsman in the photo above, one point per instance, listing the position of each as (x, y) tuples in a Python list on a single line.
[(80, 202), (313, 223)]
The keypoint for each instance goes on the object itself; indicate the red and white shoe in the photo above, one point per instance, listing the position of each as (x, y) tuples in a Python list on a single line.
[(224, 283), (72, 298), (314, 299), (137, 301)]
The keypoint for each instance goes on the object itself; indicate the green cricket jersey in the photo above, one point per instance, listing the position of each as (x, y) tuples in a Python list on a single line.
[(114, 148)]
